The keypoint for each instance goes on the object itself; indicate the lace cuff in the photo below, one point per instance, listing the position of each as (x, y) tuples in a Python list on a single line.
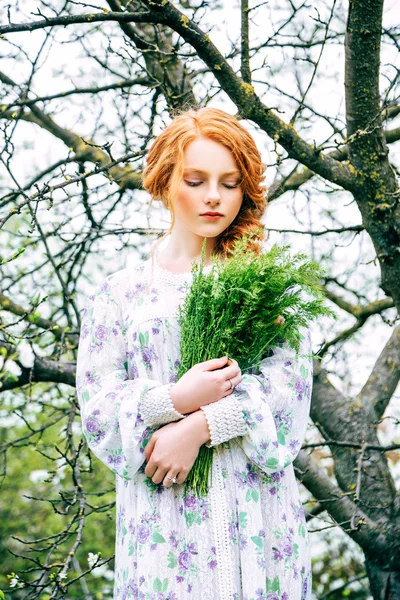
[(156, 407), (225, 420)]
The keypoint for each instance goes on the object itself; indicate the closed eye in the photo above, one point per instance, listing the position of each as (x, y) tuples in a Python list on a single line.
[(193, 183)]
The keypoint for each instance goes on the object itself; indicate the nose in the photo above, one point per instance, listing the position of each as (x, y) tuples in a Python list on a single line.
[(212, 195)]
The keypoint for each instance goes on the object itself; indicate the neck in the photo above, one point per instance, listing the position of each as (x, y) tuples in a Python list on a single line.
[(183, 250)]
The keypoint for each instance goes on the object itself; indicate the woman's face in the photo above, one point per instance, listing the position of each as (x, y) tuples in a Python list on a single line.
[(210, 184)]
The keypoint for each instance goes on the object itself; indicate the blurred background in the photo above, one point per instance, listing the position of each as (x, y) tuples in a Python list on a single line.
[(85, 88)]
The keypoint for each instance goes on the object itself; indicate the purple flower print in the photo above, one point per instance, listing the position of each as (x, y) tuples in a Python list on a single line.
[(277, 554), (92, 425), (131, 526), (239, 479), (252, 479), (285, 596), (105, 287), (190, 503), (272, 596), (101, 333), (300, 387), (287, 546), (179, 579), (212, 564), (304, 590), (259, 418), (192, 548), (172, 539), (293, 446), (148, 353), (84, 331), (277, 476), (114, 460), (185, 560), (89, 378), (134, 336), (177, 363), (143, 533)]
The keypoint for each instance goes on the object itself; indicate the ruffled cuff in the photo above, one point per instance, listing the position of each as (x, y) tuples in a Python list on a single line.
[(225, 420), (156, 406)]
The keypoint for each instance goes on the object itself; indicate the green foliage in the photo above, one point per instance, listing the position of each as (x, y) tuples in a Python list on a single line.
[(231, 308), (43, 509)]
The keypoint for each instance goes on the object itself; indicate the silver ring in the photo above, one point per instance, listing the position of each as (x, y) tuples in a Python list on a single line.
[(232, 386), (173, 479)]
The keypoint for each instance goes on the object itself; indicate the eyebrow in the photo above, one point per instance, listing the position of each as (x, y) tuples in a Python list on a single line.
[(236, 172)]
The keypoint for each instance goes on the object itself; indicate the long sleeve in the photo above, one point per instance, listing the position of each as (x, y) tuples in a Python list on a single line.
[(270, 409), (119, 412)]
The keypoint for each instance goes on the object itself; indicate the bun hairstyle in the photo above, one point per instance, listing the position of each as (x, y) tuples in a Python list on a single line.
[(165, 163)]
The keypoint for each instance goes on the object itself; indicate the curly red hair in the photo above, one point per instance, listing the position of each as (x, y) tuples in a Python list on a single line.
[(165, 163)]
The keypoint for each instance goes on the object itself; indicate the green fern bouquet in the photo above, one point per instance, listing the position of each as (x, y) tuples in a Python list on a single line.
[(230, 309)]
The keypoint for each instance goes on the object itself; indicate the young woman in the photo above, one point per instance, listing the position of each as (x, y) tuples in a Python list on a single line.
[(246, 539)]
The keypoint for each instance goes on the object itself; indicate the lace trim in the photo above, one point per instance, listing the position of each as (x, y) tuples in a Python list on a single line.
[(222, 543), (225, 420), (175, 279), (157, 407)]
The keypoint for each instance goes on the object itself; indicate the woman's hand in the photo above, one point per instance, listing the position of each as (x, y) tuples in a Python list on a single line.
[(206, 382), (173, 449)]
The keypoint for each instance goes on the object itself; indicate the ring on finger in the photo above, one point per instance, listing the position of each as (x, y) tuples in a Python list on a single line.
[(173, 479)]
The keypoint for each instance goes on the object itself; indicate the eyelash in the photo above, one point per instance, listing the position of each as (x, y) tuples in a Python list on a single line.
[(197, 183)]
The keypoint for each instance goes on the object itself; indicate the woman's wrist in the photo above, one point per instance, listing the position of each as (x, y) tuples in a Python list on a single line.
[(198, 422), (176, 398)]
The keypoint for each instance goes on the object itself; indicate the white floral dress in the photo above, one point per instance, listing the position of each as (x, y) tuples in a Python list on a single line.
[(247, 539)]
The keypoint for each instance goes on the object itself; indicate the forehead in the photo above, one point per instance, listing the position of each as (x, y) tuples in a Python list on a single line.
[(203, 154)]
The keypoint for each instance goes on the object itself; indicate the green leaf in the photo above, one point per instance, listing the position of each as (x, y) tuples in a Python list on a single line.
[(281, 438), (255, 495), (157, 585), (172, 562), (156, 537), (259, 542), (243, 520), (303, 371), (296, 550), (275, 587)]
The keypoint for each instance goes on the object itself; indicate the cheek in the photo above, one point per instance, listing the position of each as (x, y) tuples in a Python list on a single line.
[(186, 197), (237, 203)]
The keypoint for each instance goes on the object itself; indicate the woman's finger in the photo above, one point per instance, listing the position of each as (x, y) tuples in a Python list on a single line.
[(150, 447), (235, 381), (168, 483), (279, 320)]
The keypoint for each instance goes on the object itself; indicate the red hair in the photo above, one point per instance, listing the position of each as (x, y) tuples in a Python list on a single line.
[(165, 162)]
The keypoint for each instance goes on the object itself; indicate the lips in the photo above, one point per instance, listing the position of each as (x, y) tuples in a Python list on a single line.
[(211, 214)]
